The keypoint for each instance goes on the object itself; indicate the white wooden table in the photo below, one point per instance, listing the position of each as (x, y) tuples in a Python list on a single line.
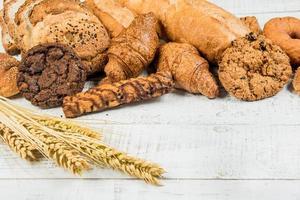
[(212, 149)]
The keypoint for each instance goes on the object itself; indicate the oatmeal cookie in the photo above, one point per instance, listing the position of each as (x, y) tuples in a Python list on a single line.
[(253, 68), (50, 72)]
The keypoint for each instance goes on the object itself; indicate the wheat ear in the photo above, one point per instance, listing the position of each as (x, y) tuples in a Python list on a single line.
[(63, 154), (110, 157), (67, 126), (18, 144)]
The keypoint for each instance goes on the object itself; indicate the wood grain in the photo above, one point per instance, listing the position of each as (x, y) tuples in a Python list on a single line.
[(125, 189)]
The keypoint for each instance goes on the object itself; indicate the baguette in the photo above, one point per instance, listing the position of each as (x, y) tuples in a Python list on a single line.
[(200, 23)]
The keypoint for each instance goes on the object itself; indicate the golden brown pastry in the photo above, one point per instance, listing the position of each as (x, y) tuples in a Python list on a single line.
[(200, 23), (252, 23), (285, 32), (112, 14), (107, 96), (134, 49), (190, 71), (68, 23), (8, 75)]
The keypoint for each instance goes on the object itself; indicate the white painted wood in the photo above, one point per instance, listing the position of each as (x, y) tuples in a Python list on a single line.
[(254, 7), (197, 140), (193, 152), (135, 190)]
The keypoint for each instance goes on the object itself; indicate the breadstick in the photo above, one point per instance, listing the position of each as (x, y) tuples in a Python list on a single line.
[(106, 96)]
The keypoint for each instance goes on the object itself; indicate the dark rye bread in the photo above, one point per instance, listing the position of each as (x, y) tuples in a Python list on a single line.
[(48, 73)]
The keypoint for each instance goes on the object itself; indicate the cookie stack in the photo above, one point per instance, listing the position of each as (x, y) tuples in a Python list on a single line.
[(28, 23)]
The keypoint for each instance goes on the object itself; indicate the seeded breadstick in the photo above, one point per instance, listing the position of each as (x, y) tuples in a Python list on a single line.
[(106, 96)]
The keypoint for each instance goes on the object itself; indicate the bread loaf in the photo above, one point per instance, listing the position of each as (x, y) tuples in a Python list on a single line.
[(113, 15), (204, 25)]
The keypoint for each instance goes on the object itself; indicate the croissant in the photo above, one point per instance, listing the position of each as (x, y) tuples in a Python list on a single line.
[(134, 49), (189, 69)]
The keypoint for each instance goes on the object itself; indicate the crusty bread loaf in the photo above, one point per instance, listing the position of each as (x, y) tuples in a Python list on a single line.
[(200, 23), (113, 15)]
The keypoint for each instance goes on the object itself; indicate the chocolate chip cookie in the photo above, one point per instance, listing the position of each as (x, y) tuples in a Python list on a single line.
[(48, 73), (253, 68)]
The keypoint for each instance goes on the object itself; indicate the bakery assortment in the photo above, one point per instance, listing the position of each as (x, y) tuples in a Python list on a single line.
[(50, 72), (63, 42)]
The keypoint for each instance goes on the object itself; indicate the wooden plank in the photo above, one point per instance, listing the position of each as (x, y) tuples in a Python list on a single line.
[(136, 190), (195, 152)]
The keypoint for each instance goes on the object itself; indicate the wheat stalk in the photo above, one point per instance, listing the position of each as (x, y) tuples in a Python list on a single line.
[(63, 154), (69, 145), (110, 157), (67, 126), (18, 144)]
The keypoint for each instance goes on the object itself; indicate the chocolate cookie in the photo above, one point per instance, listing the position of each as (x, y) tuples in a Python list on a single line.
[(50, 72), (253, 68)]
